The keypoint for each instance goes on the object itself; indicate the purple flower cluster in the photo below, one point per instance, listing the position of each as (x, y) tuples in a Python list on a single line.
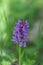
[(21, 33)]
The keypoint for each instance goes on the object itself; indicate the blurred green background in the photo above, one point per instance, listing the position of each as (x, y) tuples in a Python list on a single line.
[(10, 12)]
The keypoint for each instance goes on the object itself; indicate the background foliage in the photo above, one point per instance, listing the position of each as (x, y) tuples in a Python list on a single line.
[(10, 12)]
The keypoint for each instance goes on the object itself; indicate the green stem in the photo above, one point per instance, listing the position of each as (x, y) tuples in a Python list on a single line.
[(19, 55)]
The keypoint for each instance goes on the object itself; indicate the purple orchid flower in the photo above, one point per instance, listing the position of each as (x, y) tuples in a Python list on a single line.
[(20, 34)]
